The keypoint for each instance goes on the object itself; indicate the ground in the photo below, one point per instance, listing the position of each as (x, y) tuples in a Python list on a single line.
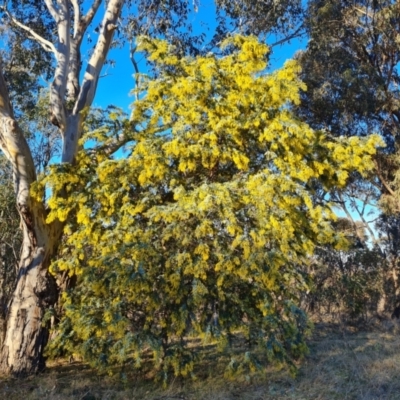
[(344, 363)]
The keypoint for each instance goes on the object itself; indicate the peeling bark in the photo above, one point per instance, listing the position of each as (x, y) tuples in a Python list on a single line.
[(73, 86), (26, 335)]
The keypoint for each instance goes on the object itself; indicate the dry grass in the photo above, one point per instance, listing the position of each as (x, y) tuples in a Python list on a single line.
[(343, 364)]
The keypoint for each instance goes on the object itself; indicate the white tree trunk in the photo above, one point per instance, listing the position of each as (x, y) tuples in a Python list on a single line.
[(25, 334)]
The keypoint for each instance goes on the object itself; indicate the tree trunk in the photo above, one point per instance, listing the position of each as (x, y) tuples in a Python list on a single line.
[(26, 331)]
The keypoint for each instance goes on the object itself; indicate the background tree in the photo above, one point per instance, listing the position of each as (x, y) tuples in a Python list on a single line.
[(350, 283), (350, 67)]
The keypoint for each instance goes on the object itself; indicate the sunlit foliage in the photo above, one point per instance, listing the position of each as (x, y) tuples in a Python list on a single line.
[(200, 230)]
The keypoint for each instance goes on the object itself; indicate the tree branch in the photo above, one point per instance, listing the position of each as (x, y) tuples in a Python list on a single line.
[(47, 46), (15, 148), (88, 18), (136, 68), (297, 33), (96, 62), (349, 216), (58, 87), (77, 16), (80, 26), (122, 139), (383, 180), (52, 10), (91, 78)]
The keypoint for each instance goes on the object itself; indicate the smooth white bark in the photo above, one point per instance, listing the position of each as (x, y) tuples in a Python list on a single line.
[(90, 80)]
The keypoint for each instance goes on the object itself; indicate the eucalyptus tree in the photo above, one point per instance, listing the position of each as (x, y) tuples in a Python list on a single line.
[(351, 70), (70, 96)]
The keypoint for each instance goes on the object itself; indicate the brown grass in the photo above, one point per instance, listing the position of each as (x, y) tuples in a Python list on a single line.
[(342, 364)]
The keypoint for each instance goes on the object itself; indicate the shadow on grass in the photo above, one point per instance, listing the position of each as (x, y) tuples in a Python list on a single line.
[(341, 365)]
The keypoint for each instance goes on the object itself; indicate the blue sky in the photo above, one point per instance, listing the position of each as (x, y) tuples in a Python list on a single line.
[(117, 82)]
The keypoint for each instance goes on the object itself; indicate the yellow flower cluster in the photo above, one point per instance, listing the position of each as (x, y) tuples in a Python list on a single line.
[(212, 210)]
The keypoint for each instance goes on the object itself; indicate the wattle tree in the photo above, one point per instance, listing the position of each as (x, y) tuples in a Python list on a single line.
[(201, 228)]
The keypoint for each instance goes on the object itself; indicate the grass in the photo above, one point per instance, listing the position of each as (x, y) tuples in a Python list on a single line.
[(343, 363)]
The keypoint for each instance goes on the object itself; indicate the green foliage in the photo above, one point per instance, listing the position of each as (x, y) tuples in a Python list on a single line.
[(282, 16), (200, 231), (350, 67), (10, 236), (349, 283), (351, 71), (173, 21)]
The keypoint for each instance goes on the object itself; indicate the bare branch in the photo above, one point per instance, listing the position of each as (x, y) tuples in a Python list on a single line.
[(88, 18), (361, 215), (122, 139), (80, 26), (52, 10), (136, 68), (91, 78), (349, 217), (47, 46), (76, 16), (96, 62), (296, 34), (383, 180)]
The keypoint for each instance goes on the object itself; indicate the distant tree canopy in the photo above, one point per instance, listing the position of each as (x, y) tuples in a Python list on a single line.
[(350, 67), (201, 228)]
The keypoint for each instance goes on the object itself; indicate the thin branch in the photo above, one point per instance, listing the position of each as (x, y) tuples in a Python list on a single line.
[(88, 18), (47, 45), (52, 10), (361, 215), (297, 33), (136, 68), (350, 217), (121, 140), (366, 13), (383, 181)]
